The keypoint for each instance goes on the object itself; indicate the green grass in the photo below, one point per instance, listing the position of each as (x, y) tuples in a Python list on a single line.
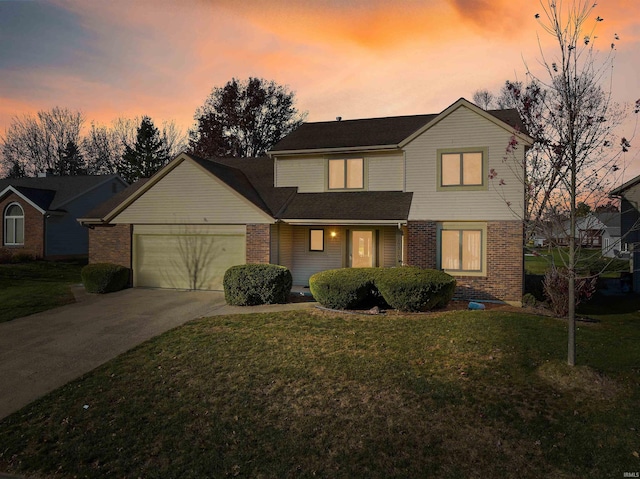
[(28, 288), (482, 394), (587, 258)]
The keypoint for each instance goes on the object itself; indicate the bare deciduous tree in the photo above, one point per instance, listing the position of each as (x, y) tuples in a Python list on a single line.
[(570, 113), (37, 143)]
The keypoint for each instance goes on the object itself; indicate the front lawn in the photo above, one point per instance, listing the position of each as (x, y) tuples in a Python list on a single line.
[(28, 288), (541, 259), (474, 394)]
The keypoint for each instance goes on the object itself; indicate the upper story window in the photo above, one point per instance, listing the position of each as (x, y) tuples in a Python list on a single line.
[(464, 168), (14, 225), (346, 174)]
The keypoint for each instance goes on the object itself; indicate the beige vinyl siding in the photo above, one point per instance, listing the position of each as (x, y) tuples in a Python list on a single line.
[(388, 251), (386, 172), (282, 245), (463, 129), (188, 194), (382, 171), (307, 173), (295, 254), (306, 263)]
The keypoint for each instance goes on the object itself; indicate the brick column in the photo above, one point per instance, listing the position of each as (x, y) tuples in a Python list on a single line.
[(111, 244), (258, 243), (421, 244)]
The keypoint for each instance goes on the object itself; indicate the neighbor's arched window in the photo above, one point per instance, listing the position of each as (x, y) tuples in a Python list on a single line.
[(14, 225)]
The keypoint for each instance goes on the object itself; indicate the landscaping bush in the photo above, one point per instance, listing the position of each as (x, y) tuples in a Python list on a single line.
[(252, 284), (556, 289), (104, 277), (415, 289), (345, 288), (405, 288)]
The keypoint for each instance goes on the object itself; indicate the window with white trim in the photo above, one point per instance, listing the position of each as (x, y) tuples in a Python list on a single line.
[(462, 248), (346, 174), (13, 225)]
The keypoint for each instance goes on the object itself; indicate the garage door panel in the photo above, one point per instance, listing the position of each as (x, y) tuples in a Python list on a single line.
[(186, 261)]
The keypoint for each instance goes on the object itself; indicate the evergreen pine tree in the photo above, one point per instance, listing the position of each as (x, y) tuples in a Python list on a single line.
[(148, 154), (72, 162)]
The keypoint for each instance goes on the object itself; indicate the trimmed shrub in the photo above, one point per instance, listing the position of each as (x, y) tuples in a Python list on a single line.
[(345, 288), (252, 284), (104, 277), (415, 289), (405, 288)]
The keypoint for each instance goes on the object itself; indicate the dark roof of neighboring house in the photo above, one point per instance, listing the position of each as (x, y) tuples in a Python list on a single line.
[(52, 192), (104, 208), (611, 219), (360, 205), (389, 131)]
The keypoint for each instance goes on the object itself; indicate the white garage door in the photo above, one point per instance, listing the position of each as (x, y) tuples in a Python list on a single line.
[(194, 258)]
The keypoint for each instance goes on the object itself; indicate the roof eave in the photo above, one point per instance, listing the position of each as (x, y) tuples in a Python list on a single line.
[(319, 151), (625, 186), (312, 221), (17, 192)]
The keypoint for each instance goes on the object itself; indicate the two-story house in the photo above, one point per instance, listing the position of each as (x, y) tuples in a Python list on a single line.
[(629, 194), (374, 192)]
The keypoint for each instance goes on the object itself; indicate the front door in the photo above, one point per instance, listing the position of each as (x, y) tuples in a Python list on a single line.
[(362, 249)]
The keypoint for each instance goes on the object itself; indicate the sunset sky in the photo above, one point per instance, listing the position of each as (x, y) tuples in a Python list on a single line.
[(354, 59)]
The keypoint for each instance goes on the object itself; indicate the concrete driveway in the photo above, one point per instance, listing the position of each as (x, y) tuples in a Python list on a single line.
[(42, 352)]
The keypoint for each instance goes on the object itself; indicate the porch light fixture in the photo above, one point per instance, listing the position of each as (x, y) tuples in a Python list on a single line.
[(334, 234)]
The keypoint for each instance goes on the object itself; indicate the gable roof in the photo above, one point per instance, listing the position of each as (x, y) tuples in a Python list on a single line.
[(626, 186), (375, 133), (51, 193), (253, 179)]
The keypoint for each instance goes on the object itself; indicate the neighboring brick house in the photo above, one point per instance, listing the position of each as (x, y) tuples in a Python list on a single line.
[(39, 215), (374, 192), (629, 194)]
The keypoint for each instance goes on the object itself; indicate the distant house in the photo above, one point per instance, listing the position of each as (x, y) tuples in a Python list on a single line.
[(375, 192), (589, 232), (629, 194), (612, 246), (39, 215)]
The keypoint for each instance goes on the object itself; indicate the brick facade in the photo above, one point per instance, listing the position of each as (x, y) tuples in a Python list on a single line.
[(505, 261), (34, 228), (421, 244), (258, 243), (505, 266), (111, 244)]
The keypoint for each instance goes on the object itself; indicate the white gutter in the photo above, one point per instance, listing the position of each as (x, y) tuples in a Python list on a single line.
[(342, 222)]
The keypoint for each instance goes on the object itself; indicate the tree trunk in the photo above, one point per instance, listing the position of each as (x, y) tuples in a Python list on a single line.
[(571, 319)]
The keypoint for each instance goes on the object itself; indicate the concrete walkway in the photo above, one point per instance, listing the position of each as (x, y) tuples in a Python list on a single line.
[(42, 352)]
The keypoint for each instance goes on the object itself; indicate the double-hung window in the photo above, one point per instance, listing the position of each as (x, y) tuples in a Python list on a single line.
[(346, 174), (462, 248), (462, 169), (14, 225)]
